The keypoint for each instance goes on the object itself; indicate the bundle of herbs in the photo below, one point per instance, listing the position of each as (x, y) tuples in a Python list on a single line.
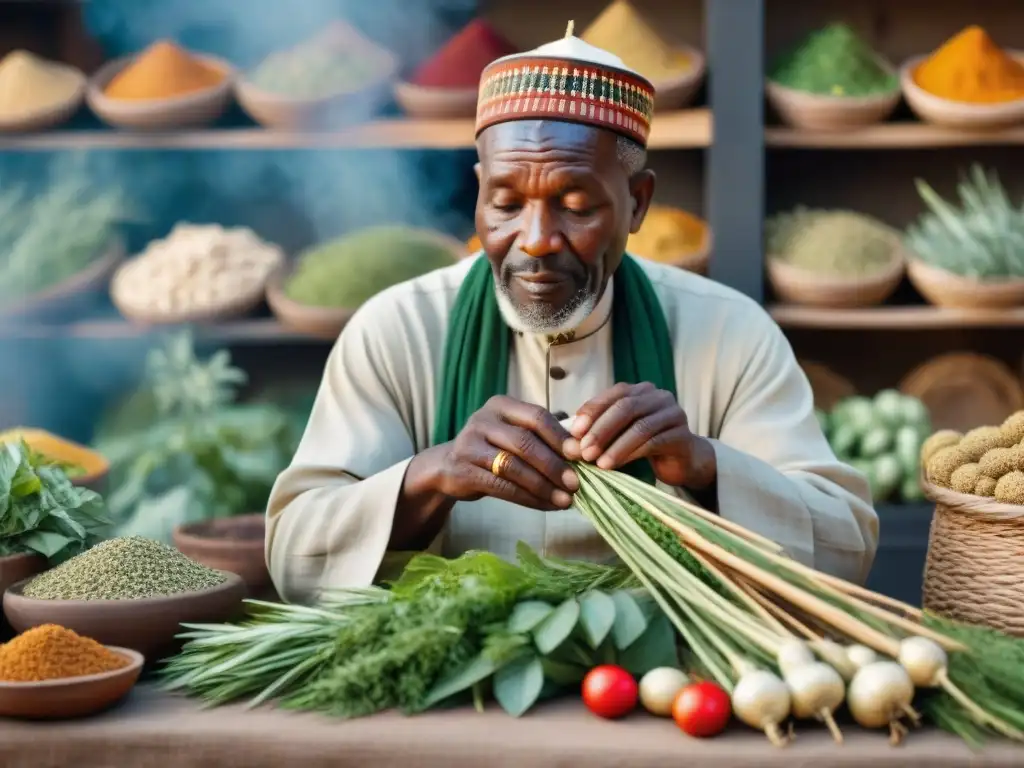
[(41, 511), (183, 450), (50, 234), (445, 631), (788, 641)]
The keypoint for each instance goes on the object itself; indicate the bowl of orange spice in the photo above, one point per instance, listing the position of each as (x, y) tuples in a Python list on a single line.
[(967, 83), (50, 672), (163, 88)]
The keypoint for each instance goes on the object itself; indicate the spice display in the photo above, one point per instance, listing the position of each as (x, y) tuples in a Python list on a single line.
[(51, 234), (125, 568), (348, 271), (833, 243), (668, 234), (50, 652), (972, 69), (461, 62), (461, 627), (196, 268), (882, 438), (987, 461), (163, 71), (321, 68), (621, 30), (982, 238), (29, 85), (183, 450), (41, 511), (834, 61)]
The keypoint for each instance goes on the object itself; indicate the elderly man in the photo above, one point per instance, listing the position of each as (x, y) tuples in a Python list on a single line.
[(441, 418)]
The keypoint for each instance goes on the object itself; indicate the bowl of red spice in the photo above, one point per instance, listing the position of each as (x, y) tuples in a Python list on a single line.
[(968, 83), (446, 84), (51, 673), (163, 88), (234, 544)]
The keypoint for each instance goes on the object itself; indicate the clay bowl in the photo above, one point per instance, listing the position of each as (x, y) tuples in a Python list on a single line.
[(794, 285), (190, 110), (49, 116), (15, 568), (234, 544), (57, 298), (817, 112), (944, 289), (294, 113), (956, 114), (678, 92), (71, 696), (435, 103), (148, 626)]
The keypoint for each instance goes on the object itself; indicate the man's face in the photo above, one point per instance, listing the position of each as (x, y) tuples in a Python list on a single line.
[(554, 211)]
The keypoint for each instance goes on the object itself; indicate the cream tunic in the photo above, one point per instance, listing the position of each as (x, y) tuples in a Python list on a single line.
[(330, 513)]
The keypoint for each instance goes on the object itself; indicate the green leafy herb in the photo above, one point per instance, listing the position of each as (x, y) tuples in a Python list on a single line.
[(41, 511)]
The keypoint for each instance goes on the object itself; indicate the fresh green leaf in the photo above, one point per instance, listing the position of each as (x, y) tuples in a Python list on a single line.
[(597, 616), (630, 622), (527, 615), (518, 685), (462, 680), (558, 627), (656, 647), (563, 673)]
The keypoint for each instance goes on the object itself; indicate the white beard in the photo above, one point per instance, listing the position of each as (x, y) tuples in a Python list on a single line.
[(533, 322)]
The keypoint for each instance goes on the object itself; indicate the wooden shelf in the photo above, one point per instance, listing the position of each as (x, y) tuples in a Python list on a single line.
[(239, 332), (894, 318), (903, 135), (673, 130)]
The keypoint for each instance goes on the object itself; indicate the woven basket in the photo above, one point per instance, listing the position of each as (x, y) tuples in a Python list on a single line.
[(975, 567)]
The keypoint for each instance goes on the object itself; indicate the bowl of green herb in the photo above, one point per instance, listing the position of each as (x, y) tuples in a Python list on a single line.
[(337, 78), (969, 255), (129, 592), (833, 81)]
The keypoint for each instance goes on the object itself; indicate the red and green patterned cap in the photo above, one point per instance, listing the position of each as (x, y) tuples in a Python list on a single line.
[(568, 80)]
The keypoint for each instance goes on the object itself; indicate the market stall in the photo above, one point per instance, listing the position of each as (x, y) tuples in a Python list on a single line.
[(151, 728)]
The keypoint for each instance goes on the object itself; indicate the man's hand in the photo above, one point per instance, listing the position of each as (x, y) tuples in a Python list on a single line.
[(639, 421), (534, 473)]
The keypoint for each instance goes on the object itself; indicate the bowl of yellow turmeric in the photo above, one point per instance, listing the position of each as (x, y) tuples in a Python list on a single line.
[(53, 673), (968, 83), (163, 88)]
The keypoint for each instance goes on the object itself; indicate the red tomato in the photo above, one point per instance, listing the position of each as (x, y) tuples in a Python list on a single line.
[(702, 709), (610, 691)]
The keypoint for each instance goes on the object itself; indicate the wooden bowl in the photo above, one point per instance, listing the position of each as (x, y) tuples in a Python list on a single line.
[(148, 626), (234, 544), (187, 111), (56, 298), (957, 114), (800, 286), (71, 696), (944, 289), (15, 568), (817, 112), (435, 103), (275, 110), (50, 116), (678, 92)]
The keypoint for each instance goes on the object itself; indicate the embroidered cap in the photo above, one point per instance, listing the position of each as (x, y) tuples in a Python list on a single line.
[(568, 80)]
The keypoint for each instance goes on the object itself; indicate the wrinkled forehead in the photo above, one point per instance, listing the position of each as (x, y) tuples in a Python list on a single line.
[(546, 139)]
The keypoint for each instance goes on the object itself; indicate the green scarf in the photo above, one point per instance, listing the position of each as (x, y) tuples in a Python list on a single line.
[(475, 364)]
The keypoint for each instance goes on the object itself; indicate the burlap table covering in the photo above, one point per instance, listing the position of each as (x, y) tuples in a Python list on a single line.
[(153, 729)]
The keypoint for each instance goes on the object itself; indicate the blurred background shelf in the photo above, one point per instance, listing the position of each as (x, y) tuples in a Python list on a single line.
[(904, 135), (250, 331), (675, 130), (894, 317)]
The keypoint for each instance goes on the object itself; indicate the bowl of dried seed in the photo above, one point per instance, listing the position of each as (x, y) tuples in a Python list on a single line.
[(51, 672), (129, 592)]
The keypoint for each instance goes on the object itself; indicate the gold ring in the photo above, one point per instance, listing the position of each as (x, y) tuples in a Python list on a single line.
[(499, 463)]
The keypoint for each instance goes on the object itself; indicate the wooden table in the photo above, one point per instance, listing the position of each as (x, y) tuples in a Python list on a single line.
[(153, 729)]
